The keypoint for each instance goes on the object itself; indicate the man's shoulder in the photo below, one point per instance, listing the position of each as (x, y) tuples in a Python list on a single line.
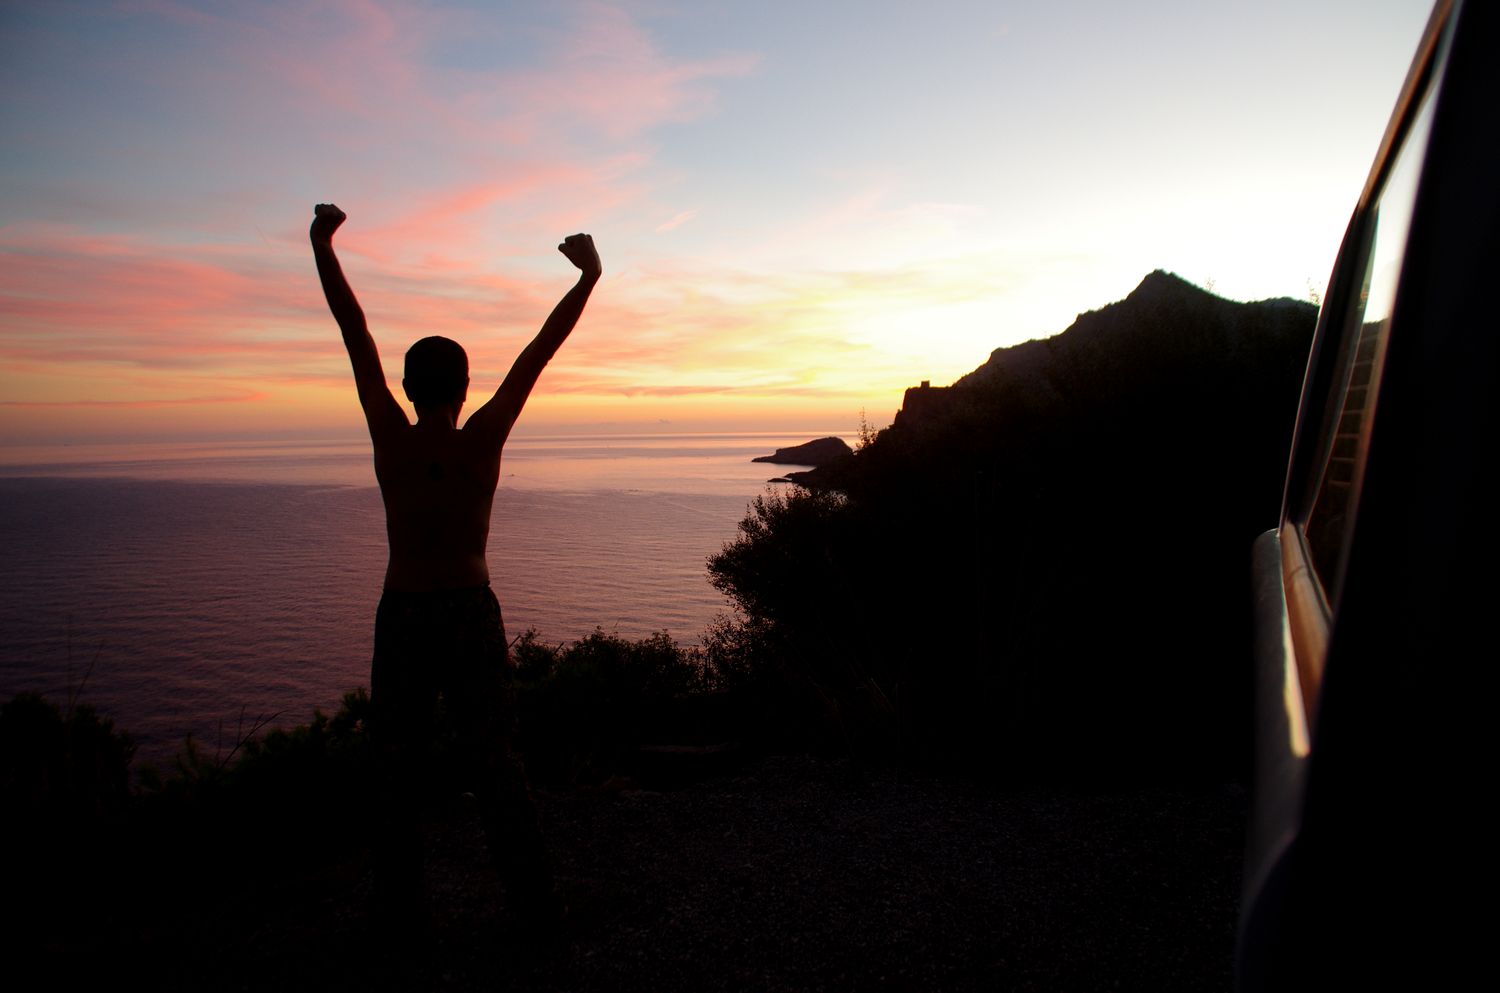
[(391, 444), (480, 441)]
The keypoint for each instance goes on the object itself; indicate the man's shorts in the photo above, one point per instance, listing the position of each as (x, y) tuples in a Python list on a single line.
[(448, 642)]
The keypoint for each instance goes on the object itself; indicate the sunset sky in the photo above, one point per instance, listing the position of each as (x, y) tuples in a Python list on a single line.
[(802, 208)]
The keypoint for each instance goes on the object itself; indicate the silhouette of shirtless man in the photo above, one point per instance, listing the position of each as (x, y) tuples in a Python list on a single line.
[(438, 629)]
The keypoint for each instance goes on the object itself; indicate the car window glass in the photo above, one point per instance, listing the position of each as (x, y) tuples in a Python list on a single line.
[(1363, 356)]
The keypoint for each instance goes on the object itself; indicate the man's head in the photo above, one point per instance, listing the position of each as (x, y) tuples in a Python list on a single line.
[(437, 372)]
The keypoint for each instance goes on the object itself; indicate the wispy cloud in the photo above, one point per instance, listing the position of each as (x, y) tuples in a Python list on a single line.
[(245, 397), (462, 143), (676, 221), (837, 218), (459, 171)]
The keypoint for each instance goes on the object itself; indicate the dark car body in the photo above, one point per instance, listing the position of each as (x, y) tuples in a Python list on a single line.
[(1370, 861)]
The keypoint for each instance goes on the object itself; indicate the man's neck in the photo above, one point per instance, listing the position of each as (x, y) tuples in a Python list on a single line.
[(437, 418)]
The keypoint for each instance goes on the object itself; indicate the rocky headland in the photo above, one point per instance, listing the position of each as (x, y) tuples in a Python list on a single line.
[(820, 451)]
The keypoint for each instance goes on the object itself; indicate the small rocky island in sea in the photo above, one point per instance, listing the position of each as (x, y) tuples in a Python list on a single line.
[(815, 453)]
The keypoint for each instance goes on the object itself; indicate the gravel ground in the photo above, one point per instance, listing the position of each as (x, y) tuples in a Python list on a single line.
[(795, 874)]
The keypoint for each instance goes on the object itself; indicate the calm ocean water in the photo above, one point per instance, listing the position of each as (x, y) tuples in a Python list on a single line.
[(192, 583)]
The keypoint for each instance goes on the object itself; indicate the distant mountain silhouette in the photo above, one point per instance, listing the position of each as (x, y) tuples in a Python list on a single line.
[(1167, 331), (1050, 557)]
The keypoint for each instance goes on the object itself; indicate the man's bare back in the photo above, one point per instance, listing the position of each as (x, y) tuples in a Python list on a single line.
[(438, 485), (438, 479)]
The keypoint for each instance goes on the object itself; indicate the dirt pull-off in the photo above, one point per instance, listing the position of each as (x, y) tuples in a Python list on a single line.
[(798, 874)]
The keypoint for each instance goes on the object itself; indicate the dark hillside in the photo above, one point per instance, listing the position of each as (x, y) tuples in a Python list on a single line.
[(1042, 569)]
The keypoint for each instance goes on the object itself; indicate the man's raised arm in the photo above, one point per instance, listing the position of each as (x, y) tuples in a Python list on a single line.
[(499, 413), (382, 413)]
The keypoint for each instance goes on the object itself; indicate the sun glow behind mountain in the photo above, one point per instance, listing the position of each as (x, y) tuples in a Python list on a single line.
[(800, 212)]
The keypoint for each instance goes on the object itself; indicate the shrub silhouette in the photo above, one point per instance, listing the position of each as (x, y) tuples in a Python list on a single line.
[(61, 766), (64, 787), (585, 708), (1042, 570)]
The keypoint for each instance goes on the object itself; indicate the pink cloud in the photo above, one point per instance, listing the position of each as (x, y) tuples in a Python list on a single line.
[(71, 296), (245, 397), (612, 77), (517, 210), (597, 387), (676, 221), (599, 81), (458, 183), (444, 164), (366, 102), (257, 317)]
